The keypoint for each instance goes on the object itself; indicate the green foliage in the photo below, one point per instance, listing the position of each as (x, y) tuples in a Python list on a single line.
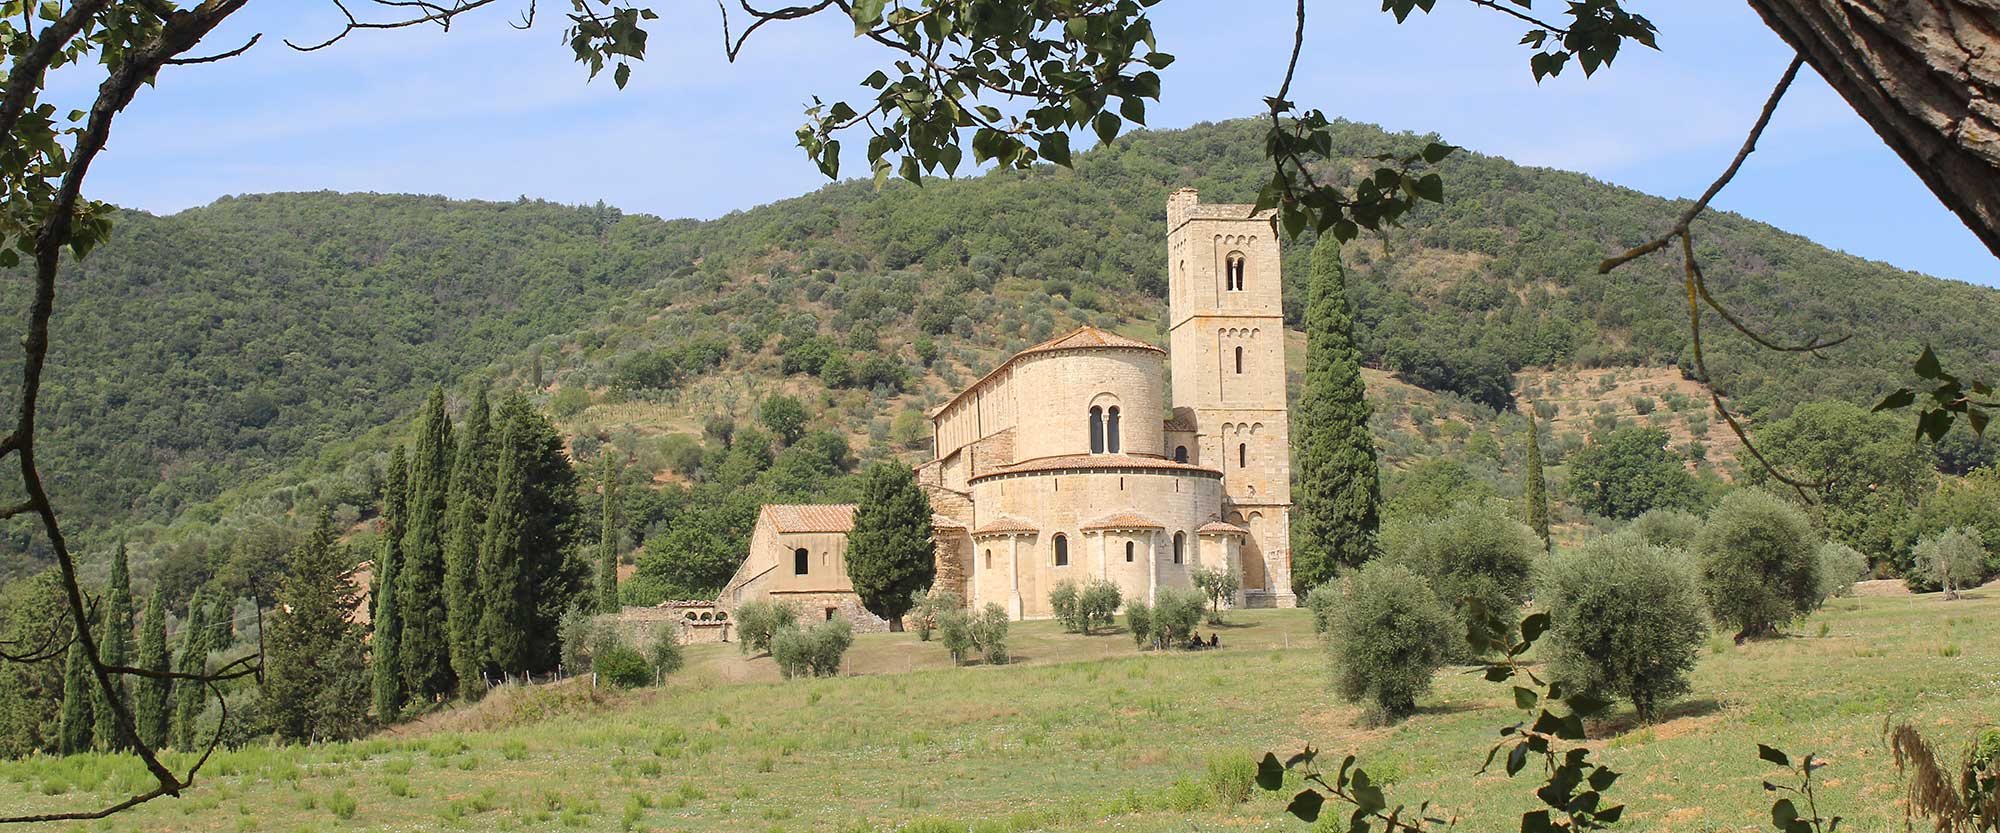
[(813, 652), (385, 661), (758, 622), (607, 540), (1667, 528), (1176, 612), (424, 645), (316, 685), (1839, 567), (1536, 491), (954, 627), (989, 633), (73, 734), (929, 606), (1757, 563), (472, 470), (1474, 554), (1625, 619), (1865, 466), (784, 416), (1324, 603), (1097, 602), (584, 634), (889, 550), (1628, 471), (34, 611), (1216, 584), (666, 653), (152, 710), (1432, 487), (1389, 637), (115, 648), (1333, 452), (622, 666), (1954, 559), (528, 572), (198, 637), (1139, 620), (1063, 604)]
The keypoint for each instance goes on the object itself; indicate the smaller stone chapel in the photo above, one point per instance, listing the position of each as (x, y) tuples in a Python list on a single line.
[(1065, 463)]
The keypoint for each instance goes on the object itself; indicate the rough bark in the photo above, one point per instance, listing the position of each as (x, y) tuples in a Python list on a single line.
[(1926, 75)]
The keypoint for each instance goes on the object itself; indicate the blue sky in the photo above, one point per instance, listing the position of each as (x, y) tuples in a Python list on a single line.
[(486, 111)]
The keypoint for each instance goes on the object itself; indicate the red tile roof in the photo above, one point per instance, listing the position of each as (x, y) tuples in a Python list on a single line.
[(1124, 520), (811, 517), (1004, 523), (1221, 528)]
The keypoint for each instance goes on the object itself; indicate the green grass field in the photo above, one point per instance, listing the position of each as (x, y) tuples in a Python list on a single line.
[(1082, 735)]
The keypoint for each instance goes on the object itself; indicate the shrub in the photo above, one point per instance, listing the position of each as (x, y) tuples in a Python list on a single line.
[(1952, 559), (1230, 777), (1667, 528), (583, 634), (1063, 599), (955, 632), (1839, 567), (758, 624), (621, 666), (1139, 618), (1475, 552), (989, 633), (1323, 601), (667, 656), (1625, 620), (812, 653), (1389, 637), (1757, 563), (1176, 612), (1216, 584), (929, 606), (1097, 604)]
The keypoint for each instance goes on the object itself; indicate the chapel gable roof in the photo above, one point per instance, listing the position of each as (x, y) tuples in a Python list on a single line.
[(811, 517)]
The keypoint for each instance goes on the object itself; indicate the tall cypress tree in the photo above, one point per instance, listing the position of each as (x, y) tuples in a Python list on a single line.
[(115, 648), (889, 552), (73, 728), (314, 683), (528, 573), (385, 662), (607, 541), (471, 489), (152, 712), (1537, 491), (1338, 494), (420, 599), (191, 659)]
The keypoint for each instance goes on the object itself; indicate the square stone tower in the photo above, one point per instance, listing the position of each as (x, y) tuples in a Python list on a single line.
[(1227, 348)]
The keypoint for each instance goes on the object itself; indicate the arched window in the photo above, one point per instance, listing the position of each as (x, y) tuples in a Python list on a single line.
[(1239, 360), (989, 559), (1096, 430), (1062, 550), (800, 561), (1233, 271), (1180, 454), (1242, 455), (1128, 552), (1180, 542), (1111, 430)]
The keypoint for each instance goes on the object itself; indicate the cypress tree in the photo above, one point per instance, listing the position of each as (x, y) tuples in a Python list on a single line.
[(607, 542), (471, 488), (191, 659), (1537, 491), (425, 649), (73, 728), (385, 663), (889, 551), (314, 684), (1338, 494), (115, 648), (528, 576), (152, 712)]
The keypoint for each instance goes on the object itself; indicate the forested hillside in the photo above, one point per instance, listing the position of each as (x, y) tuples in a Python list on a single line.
[(255, 356)]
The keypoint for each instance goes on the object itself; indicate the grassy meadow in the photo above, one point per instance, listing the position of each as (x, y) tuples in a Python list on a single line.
[(1083, 734)]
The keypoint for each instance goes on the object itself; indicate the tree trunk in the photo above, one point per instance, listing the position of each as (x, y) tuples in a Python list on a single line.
[(895, 624), (1926, 75)]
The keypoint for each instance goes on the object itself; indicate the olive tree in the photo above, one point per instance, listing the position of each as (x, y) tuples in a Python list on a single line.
[(1953, 559), (1758, 567), (1389, 637), (1625, 619)]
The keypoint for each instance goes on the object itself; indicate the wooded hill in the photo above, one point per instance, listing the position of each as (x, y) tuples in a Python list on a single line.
[(231, 364)]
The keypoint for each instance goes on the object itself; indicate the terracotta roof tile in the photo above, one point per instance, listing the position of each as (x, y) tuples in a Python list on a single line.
[(1004, 523), (1124, 520), (1221, 528), (811, 517)]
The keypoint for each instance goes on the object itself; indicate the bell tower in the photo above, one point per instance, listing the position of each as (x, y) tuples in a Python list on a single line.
[(1227, 348)]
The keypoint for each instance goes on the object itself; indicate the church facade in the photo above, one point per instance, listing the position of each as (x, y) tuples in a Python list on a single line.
[(1065, 463)]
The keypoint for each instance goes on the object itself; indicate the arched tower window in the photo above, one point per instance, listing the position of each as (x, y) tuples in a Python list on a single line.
[(1180, 454), (1242, 455), (1128, 552), (1111, 430), (1096, 430), (800, 561), (989, 559), (1180, 543), (1233, 271), (1062, 550), (1239, 359)]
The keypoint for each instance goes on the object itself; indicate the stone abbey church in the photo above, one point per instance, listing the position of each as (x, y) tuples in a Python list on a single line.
[(1057, 465)]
